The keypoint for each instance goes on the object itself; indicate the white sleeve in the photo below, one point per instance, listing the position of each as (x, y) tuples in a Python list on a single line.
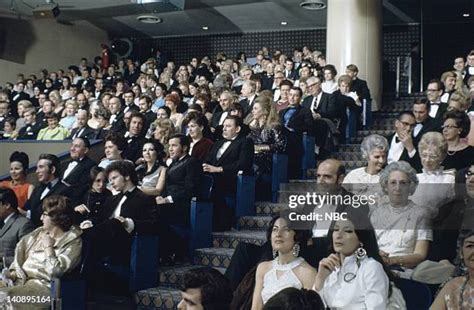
[(376, 286)]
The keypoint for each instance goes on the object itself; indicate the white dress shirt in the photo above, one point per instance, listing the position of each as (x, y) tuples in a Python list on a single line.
[(368, 290), (396, 150), (433, 109), (316, 101), (224, 148)]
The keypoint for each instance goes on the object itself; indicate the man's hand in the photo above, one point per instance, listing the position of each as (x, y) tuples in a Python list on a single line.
[(160, 200), (82, 209), (316, 115), (211, 168), (407, 140)]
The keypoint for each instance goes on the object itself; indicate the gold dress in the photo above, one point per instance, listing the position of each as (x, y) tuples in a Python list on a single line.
[(35, 270)]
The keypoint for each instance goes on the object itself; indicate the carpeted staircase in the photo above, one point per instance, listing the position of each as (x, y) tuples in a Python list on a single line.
[(252, 228)]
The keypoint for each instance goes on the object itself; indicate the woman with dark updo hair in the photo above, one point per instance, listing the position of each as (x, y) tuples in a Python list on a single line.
[(18, 169), (152, 173), (49, 251)]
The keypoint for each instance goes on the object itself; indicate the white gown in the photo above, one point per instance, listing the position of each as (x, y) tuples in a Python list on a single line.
[(273, 283)]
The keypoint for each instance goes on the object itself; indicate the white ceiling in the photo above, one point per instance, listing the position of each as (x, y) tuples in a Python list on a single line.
[(187, 17)]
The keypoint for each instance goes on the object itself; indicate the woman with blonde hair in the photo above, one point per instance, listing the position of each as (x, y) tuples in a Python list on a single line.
[(55, 97), (164, 129), (22, 106)]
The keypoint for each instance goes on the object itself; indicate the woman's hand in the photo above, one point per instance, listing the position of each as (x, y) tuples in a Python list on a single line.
[(82, 209), (385, 257), (47, 240), (326, 267)]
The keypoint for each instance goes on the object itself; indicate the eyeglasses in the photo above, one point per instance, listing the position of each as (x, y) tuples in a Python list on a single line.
[(432, 90), (449, 126), (406, 124), (311, 85), (469, 174)]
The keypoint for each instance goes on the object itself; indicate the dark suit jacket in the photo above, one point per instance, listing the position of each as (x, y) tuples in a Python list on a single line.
[(29, 132), (361, 88), (78, 178), (443, 108), (293, 74), (182, 180), (34, 204), (327, 106), (88, 133), (267, 82), (247, 106), (414, 161), (117, 124), (300, 121), (140, 207), (428, 125), (237, 157), (15, 228), (133, 150)]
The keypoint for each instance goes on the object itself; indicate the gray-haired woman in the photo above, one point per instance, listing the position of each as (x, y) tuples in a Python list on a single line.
[(402, 228)]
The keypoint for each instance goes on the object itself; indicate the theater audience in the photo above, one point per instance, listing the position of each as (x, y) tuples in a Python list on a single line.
[(287, 269), (152, 173), (19, 162), (49, 251)]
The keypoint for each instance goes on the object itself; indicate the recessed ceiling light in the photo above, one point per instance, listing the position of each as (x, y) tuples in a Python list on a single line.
[(313, 4), (466, 15), (284, 23), (205, 28)]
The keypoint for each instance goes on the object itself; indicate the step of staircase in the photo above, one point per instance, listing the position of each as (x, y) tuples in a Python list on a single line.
[(349, 148), (230, 239), (213, 257), (388, 126), (347, 155), (173, 276), (158, 298), (353, 164), (365, 133), (268, 208), (384, 121), (258, 222)]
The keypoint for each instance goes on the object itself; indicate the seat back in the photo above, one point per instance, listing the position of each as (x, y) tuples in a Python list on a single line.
[(309, 160), (144, 261), (279, 173), (417, 295)]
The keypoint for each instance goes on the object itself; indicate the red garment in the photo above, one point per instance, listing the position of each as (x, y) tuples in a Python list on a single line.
[(105, 58), (21, 192)]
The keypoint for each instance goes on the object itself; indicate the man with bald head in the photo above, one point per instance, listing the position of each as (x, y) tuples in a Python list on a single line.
[(82, 130), (330, 174)]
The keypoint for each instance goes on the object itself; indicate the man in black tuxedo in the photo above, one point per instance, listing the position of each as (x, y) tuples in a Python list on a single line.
[(267, 76), (248, 91), (330, 175), (135, 137), (296, 120), (87, 80), (226, 158), (145, 104), (290, 72), (98, 88), (424, 122), (129, 97), (182, 183), (82, 130), (48, 171), (4, 113), (31, 128), (130, 212), (116, 115), (75, 173), (401, 145), (437, 108), (358, 85), (449, 82), (17, 96), (226, 101)]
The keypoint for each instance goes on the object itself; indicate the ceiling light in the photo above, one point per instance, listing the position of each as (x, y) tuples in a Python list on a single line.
[(313, 5), (205, 28), (149, 19), (284, 23), (465, 15)]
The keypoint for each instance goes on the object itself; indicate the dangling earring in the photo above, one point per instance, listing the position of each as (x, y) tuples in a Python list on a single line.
[(275, 253), (296, 250), (360, 253)]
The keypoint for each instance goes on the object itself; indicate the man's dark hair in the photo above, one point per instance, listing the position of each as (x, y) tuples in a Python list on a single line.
[(292, 298), (237, 120), (125, 168), (406, 112), (216, 292), (300, 91), (183, 140), (166, 109), (7, 196), (440, 85), (138, 114), (147, 98), (86, 141), (424, 102), (53, 162), (287, 83)]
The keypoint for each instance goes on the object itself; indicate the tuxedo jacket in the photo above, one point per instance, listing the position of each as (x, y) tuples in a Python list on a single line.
[(292, 75), (237, 157), (34, 204), (414, 161), (300, 121), (117, 124), (87, 133), (29, 132), (443, 108), (150, 117), (139, 207), (428, 125), (327, 107), (182, 180), (361, 88), (134, 148), (247, 106), (78, 178), (12, 231), (267, 82)]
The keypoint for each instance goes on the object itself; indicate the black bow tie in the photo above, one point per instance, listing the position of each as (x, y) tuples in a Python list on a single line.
[(49, 185), (436, 103), (397, 140)]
